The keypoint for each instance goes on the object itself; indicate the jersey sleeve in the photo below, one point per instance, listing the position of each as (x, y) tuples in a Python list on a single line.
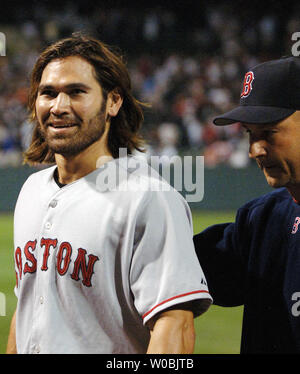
[(165, 270), (221, 250)]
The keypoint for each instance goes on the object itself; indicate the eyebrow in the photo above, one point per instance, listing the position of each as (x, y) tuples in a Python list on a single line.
[(70, 86)]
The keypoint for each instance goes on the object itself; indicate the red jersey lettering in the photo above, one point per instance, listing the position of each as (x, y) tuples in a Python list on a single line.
[(86, 270)]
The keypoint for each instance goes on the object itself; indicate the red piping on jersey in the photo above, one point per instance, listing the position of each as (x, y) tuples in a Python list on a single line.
[(172, 298)]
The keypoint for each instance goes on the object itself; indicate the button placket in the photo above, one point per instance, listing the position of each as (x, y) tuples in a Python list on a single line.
[(40, 300), (42, 278)]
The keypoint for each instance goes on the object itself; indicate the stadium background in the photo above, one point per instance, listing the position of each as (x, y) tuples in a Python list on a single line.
[(187, 58)]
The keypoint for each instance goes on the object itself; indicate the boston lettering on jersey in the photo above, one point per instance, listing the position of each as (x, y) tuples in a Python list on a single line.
[(63, 260)]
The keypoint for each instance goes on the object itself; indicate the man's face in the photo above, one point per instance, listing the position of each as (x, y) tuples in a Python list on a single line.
[(70, 107), (276, 149)]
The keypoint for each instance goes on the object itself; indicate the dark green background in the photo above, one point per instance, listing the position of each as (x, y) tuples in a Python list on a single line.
[(225, 188)]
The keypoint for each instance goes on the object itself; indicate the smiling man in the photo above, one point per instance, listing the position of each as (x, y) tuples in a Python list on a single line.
[(77, 136), (98, 270), (255, 261), (81, 128)]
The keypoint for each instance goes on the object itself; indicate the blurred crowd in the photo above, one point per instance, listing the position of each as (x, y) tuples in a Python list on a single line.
[(189, 68)]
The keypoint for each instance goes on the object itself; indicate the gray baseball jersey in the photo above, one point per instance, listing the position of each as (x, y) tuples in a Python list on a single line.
[(98, 258)]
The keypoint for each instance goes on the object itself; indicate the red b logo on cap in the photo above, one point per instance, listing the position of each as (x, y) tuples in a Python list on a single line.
[(247, 85)]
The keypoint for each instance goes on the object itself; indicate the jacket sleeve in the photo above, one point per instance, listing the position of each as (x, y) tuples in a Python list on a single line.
[(221, 252)]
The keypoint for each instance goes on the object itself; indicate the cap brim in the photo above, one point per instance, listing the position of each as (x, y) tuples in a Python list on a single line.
[(253, 114)]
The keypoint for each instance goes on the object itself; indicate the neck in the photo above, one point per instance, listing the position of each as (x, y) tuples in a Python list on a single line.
[(295, 192), (71, 168)]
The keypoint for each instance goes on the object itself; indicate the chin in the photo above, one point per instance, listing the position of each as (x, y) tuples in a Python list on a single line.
[(278, 179), (276, 183)]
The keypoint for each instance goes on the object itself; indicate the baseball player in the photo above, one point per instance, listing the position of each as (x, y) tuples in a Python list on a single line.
[(104, 253), (255, 261)]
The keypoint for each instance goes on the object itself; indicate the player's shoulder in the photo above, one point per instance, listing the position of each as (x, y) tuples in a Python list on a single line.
[(143, 182), (270, 202), (138, 175), (152, 183), (39, 176), (277, 196), (44, 173)]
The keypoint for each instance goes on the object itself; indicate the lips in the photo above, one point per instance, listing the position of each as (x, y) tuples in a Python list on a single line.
[(61, 129), (61, 125)]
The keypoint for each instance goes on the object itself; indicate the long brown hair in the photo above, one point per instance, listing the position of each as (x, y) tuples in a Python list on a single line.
[(111, 73)]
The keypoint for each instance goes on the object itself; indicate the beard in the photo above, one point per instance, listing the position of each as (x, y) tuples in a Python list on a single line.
[(80, 138)]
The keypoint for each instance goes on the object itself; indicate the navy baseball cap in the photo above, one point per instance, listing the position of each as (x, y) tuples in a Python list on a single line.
[(270, 93)]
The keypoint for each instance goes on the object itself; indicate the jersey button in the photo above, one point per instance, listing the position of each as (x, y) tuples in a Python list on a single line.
[(41, 299), (48, 225), (53, 203)]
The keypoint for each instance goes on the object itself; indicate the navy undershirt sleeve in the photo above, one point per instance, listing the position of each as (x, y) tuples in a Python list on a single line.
[(220, 252)]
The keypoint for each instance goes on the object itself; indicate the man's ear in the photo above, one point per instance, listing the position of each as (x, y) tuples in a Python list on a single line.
[(114, 102)]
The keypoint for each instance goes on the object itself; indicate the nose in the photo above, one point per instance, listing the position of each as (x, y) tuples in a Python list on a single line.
[(257, 149), (61, 104)]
